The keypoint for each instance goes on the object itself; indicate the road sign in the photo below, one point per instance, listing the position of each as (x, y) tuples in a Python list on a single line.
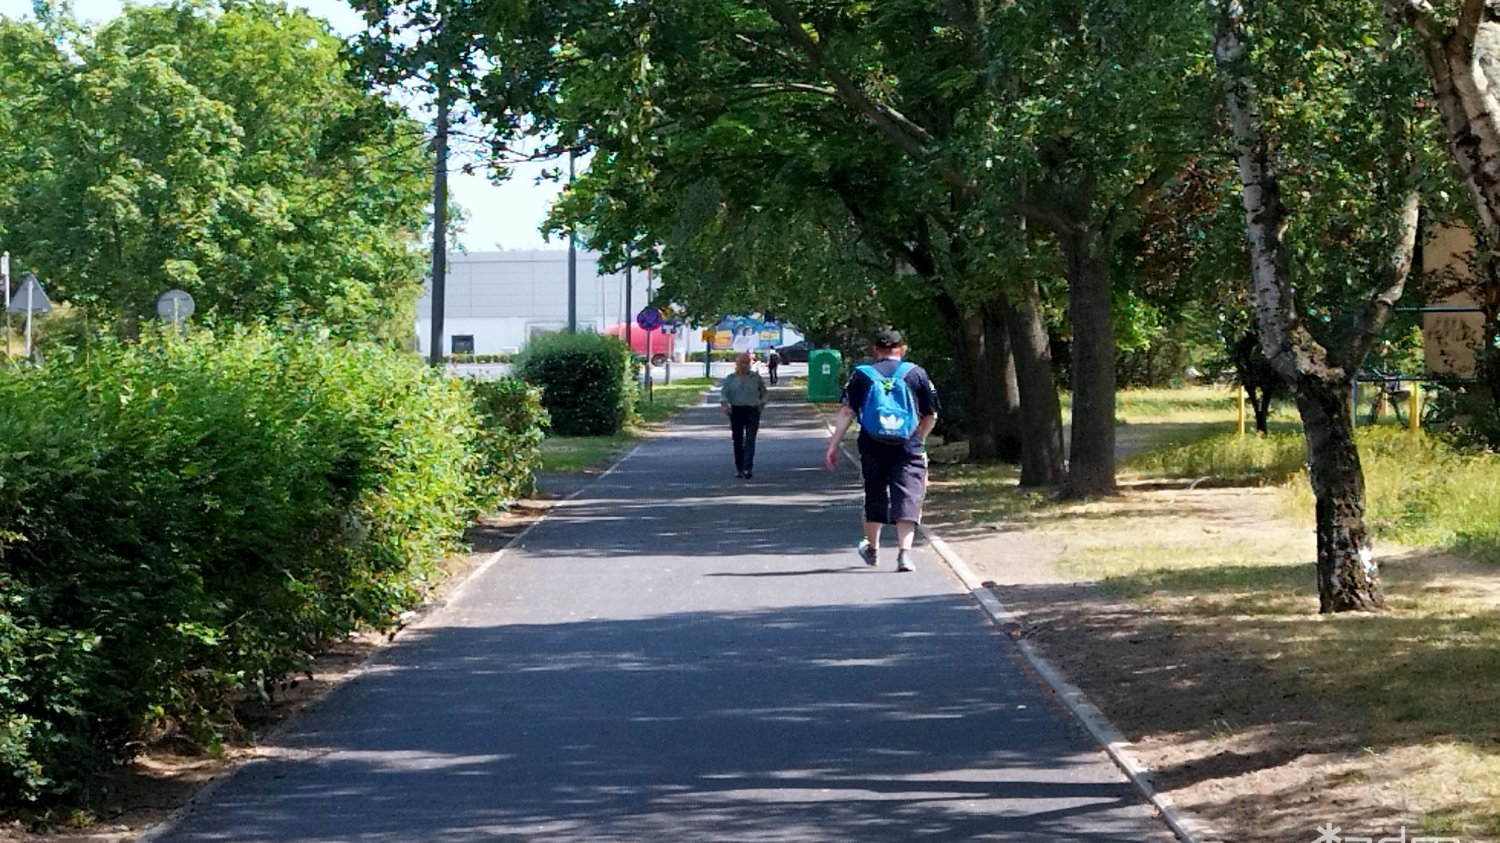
[(29, 297), (649, 318), (175, 305)]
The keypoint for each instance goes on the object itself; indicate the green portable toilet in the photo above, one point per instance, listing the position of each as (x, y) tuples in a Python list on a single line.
[(823, 369)]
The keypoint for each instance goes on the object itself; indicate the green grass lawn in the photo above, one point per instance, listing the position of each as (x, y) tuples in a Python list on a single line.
[(667, 399), (586, 453), (1411, 686)]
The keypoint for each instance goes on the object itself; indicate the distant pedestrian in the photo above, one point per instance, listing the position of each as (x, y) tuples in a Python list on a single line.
[(896, 405), (773, 362), (742, 395)]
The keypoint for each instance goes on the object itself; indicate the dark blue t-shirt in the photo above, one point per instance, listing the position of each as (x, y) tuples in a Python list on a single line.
[(923, 394)]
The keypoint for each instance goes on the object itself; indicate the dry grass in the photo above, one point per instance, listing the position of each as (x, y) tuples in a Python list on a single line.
[(1201, 639)]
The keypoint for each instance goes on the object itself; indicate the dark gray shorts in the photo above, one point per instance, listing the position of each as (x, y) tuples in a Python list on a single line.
[(895, 485)]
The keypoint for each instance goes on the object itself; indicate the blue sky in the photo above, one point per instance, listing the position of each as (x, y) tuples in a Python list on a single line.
[(505, 215)]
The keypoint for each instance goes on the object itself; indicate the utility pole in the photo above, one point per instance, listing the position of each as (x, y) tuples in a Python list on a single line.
[(629, 315), (439, 217), (573, 261), (5, 280)]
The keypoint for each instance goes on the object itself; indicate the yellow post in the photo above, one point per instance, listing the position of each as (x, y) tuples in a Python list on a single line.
[(1413, 423), (1239, 394)]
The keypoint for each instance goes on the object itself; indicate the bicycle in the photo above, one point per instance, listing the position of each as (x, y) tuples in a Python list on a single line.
[(1392, 390)]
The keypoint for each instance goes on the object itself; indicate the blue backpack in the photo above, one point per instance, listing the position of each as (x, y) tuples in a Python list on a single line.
[(889, 413)]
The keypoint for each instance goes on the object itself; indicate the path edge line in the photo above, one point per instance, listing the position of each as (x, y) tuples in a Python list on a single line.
[(1188, 829)]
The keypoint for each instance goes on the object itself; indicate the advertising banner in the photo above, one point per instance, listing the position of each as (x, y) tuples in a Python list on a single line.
[(745, 333)]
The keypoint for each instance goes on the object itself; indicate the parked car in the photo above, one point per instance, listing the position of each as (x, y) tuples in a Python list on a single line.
[(794, 353)]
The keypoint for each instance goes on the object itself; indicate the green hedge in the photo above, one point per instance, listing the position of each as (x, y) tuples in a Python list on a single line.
[(512, 425), (188, 517), (478, 358), (585, 380), (717, 356)]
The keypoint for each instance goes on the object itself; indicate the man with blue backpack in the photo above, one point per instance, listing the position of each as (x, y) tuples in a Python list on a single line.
[(896, 406)]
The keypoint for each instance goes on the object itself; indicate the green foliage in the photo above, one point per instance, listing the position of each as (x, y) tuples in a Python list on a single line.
[(512, 422), (225, 152), (718, 356), (478, 358), (191, 516), (585, 381)]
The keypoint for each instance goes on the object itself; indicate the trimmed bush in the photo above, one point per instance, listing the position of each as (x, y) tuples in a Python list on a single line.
[(585, 381), (192, 516), (478, 358), (512, 424), (716, 356)]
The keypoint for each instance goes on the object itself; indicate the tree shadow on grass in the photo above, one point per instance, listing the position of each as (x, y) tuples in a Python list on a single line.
[(1240, 649)]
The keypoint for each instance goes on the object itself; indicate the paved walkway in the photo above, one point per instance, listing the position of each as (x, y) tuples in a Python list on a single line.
[(678, 655)]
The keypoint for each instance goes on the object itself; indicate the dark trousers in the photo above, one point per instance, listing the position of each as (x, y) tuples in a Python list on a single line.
[(771, 369), (744, 422), (895, 483)]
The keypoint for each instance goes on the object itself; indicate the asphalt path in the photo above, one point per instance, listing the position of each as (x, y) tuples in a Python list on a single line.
[(675, 654)]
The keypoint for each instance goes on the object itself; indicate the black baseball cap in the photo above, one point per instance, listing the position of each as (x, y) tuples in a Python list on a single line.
[(888, 338)]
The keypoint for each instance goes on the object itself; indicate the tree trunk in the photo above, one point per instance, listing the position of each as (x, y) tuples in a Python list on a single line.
[(1320, 378), (1260, 402), (1041, 412), (1460, 59), (980, 422), (1091, 451), (1006, 400), (1348, 578), (976, 378)]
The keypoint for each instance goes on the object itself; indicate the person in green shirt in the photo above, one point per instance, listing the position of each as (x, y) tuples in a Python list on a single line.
[(742, 395)]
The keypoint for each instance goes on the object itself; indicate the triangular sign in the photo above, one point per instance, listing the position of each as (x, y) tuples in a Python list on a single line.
[(29, 296)]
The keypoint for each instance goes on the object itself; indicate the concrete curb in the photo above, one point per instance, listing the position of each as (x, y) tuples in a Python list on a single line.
[(1187, 829), (1114, 744)]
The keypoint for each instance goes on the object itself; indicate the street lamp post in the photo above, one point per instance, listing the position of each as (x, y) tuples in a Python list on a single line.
[(572, 259)]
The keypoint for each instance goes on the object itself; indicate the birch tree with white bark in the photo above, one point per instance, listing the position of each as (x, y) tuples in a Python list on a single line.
[(1334, 121)]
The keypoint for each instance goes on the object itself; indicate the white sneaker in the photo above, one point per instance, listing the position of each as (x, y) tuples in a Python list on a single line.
[(868, 553)]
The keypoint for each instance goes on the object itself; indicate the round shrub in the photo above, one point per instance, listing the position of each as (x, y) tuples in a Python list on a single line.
[(585, 381), (512, 422)]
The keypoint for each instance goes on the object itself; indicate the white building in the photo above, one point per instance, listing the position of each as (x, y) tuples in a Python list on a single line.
[(493, 302)]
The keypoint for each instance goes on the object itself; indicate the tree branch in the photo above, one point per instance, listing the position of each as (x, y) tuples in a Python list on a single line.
[(1377, 310), (793, 87), (1139, 195), (1046, 214), (1419, 13), (1469, 19), (910, 137)]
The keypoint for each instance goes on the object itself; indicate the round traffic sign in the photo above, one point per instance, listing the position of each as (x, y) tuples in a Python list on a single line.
[(649, 318), (175, 305)]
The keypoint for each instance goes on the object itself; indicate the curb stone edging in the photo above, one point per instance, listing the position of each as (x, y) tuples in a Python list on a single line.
[(1114, 744), (1188, 829)]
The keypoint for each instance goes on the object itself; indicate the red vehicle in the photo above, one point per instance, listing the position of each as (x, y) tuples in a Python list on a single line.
[(661, 344)]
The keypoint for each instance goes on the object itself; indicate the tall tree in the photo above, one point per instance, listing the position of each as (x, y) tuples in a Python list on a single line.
[(226, 153), (772, 133), (1459, 42), (1097, 112), (1354, 94)]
